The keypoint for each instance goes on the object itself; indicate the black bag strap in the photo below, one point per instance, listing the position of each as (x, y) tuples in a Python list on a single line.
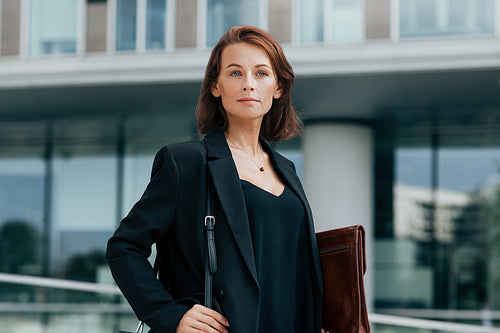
[(211, 253)]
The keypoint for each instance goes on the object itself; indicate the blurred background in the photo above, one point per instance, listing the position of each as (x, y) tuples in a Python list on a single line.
[(401, 104)]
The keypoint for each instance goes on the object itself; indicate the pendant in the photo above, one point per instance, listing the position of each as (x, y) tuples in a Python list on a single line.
[(261, 169)]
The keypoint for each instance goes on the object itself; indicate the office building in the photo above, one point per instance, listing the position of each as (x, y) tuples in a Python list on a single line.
[(401, 105)]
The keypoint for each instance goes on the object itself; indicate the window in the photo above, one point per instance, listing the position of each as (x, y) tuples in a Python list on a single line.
[(346, 21), (155, 24), (438, 221), (331, 21), (83, 217), (53, 27), (141, 24), (223, 14), (22, 230), (126, 25), (21, 214), (425, 18), (311, 21)]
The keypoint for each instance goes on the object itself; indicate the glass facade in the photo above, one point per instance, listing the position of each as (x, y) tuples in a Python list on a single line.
[(223, 14), (53, 27), (437, 216), (428, 18), (437, 220), (64, 186)]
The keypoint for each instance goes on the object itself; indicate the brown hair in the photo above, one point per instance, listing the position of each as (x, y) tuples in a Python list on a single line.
[(281, 122)]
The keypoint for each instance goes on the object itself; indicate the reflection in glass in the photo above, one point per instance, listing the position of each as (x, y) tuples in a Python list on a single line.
[(425, 18), (223, 14), (53, 26), (444, 250), (126, 21), (311, 21), (21, 223), (473, 224), (84, 213), (155, 24)]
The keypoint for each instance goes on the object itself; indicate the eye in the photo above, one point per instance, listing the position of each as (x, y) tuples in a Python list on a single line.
[(235, 73), (262, 73)]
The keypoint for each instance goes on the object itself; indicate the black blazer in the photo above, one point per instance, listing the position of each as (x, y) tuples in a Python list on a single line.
[(170, 213)]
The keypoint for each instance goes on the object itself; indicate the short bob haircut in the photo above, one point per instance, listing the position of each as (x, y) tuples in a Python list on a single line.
[(281, 122)]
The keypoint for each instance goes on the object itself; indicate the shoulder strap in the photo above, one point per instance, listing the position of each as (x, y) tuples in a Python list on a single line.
[(211, 254)]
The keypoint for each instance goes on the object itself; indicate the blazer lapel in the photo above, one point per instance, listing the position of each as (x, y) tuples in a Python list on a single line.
[(288, 174), (228, 188)]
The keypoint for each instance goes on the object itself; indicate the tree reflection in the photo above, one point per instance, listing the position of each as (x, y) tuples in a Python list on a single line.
[(19, 254), (490, 209)]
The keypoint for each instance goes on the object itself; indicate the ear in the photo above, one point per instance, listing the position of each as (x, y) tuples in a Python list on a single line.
[(277, 92), (215, 90)]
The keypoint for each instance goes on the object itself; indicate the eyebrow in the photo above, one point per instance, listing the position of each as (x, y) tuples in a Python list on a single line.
[(239, 66)]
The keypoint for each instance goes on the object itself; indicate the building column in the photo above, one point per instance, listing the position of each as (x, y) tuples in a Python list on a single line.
[(338, 180)]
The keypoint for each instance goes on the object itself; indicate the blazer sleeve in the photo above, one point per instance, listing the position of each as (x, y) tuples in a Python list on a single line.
[(130, 246)]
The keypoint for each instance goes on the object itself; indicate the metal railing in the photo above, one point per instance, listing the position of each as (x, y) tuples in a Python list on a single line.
[(375, 318)]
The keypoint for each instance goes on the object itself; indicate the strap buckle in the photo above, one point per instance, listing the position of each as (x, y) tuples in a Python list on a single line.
[(209, 219)]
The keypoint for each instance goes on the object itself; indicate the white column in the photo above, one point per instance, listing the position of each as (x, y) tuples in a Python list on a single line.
[(170, 25), (1, 5), (24, 29), (201, 27), (81, 27), (338, 180), (394, 21), (111, 26)]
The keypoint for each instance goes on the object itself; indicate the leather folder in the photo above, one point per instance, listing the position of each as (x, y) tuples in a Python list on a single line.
[(343, 262)]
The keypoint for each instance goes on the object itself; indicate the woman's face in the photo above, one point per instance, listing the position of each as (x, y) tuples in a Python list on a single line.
[(247, 83)]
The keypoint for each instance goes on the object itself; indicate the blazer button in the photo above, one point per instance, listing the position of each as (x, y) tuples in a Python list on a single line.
[(220, 293)]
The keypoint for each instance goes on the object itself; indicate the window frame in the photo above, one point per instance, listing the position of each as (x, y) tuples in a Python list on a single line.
[(395, 30), (328, 35), (141, 27), (202, 31)]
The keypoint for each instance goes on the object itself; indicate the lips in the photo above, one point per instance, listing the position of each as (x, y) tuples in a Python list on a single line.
[(248, 99)]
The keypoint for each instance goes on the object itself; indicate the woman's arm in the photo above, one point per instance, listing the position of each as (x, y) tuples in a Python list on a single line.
[(130, 246)]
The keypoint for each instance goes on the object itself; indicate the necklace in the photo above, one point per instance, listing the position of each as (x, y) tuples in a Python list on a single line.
[(258, 163)]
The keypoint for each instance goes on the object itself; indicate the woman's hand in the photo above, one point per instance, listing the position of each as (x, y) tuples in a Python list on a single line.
[(202, 319), (323, 331)]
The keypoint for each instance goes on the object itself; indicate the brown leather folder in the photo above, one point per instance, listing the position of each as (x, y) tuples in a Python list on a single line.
[(343, 262)]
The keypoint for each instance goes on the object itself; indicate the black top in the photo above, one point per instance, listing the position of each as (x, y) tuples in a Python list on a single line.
[(280, 243)]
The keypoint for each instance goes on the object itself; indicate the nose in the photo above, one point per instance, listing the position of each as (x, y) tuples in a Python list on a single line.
[(249, 84)]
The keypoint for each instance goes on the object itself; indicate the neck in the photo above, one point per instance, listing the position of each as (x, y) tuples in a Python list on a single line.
[(244, 135)]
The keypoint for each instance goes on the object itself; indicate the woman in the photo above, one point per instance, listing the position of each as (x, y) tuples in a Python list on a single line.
[(269, 275)]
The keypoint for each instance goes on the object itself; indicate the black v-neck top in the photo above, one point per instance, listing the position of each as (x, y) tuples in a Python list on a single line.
[(282, 257)]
